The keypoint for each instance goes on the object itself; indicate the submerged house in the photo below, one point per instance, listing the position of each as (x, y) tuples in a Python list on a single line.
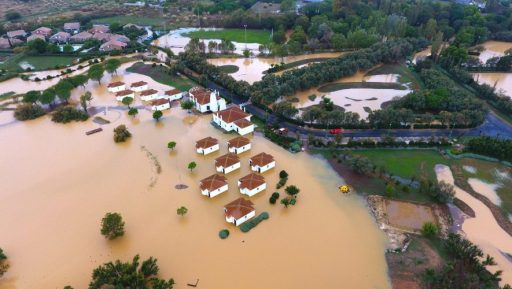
[(239, 145), (239, 211), (205, 100), (207, 145), (262, 162), (173, 94), (234, 119), (227, 163), (160, 104), (213, 185), (252, 184), (148, 95), (116, 86), (124, 93), (139, 86)]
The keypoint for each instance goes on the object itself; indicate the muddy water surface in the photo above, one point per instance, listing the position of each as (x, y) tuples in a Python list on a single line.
[(54, 195), (483, 230), (493, 49), (502, 81)]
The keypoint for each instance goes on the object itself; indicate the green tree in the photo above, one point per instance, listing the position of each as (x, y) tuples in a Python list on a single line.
[(63, 90), (28, 111), (283, 174), (85, 99), (112, 65), (182, 211), (157, 114), (285, 202), (96, 72), (187, 104), (3, 263), (390, 189), (133, 111), (192, 165), (31, 96), (67, 48), (12, 15), (112, 226), (171, 145), (430, 230), (292, 190), (121, 133), (247, 53), (37, 45), (127, 101), (48, 96), (79, 80)]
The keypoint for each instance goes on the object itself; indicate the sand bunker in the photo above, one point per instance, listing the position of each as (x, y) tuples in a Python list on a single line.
[(408, 216), (486, 189)]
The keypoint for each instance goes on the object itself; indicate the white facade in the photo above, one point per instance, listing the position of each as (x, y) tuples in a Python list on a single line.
[(215, 192), (244, 130), (240, 150), (117, 88), (120, 98), (229, 169), (162, 106), (176, 96), (205, 151), (232, 126), (264, 168), (250, 193), (139, 88), (214, 104), (149, 97), (240, 220)]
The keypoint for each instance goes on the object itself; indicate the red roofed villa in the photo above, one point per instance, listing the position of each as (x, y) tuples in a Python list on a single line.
[(239, 145), (252, 184), (239, 211), (124, 93), (213, 185), (207, 145), (262, 162), (173, 94), (227, 163), (116, 86), (139, 86), (160, 104), (148, 94), (234, 119)]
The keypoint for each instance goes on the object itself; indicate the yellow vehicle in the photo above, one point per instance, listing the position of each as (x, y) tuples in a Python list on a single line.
[(344, 189)]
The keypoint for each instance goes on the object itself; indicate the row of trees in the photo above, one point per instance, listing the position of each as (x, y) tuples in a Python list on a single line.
[(493, 147)]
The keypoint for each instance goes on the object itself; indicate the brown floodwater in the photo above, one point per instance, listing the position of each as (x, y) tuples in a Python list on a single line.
[(493, 49), (408, 216), (502, 81), (57, 184), (483, 230)]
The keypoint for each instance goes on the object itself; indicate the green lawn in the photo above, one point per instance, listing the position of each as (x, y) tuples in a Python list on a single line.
[(237, 35), (347, 85), (159, 74), (47, 62), (122, 19), (229, 68), (406, 75)]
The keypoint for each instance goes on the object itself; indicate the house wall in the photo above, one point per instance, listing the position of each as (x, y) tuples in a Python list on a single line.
[(140, 88), (117, 88), (120, 98), (149, 97), (161, 106), (264, 168), (216, 192), (173, 97), (254, 191), (208, 150), (240, 220), (228, 169), (240, 149), (245, 130)]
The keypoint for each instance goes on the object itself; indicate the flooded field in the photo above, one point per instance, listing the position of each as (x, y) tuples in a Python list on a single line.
[(408, 216), (53, 198), (486, 189), (483, 230), (252, 69), (493, 49), (502, 81)]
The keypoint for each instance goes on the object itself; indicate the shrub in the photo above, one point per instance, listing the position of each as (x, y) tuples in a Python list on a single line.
[(292, 190), (429, 230), (281, 183), (283, 174), (223, 234), (66, 114), (247, 226), (274, 197), (28, 111), (3, 263), (112, 226), (121, 133)]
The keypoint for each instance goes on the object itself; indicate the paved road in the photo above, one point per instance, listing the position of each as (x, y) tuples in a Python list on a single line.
[(492, 126)]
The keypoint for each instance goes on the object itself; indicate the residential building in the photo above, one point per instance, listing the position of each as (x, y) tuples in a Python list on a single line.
[(148, 94), (112, 45), (207, 145), (36, 36), (72, 27), (44, 31), (116, 86), (173, 94), (239, 145), (119, 37), (6, 43), (227, 163), (80, 37), (252, 184), (234, 119), (99, 28), (101, 37), (213, 185), (124, 93), (262, 162), (239, 211), (139, 86), (60, 37), (206, 100), (19, 34), (160, 104)]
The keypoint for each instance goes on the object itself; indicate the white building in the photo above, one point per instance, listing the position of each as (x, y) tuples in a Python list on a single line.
[(262, 162), (124, 93), (252, 184), (227, 163), (207, 145), (234, 119), (139, 86), (205, 100), (160, 104), (149, 94), (116, 86), (239, 211), (173, 94), (213, 185), (239, 145)]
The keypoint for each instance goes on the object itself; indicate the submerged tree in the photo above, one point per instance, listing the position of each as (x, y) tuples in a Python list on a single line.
[(85, 99), (112, 65), (3, 263), (96, 72), (171, 145), (121, 133), (112, 226), (157, 115), (182, 211), (192, 165)]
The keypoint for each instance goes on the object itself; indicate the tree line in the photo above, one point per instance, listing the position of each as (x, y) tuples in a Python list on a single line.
[(493, 147)]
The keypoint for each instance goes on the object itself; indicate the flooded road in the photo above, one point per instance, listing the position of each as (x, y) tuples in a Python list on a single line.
[(483, 230), (55, 193)]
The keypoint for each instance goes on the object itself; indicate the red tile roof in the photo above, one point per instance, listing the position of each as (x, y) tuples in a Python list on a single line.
[(261, 159), (43, 31), (72, 26), (201, 95), (139, 84), (206, 142), (213, 182), (243, 123), (124, 92), (226, 160), (115, 84), (238, 208), (238, 142), (172, 91), (251, 181), (232, 114), (148, 92), (159, 101)]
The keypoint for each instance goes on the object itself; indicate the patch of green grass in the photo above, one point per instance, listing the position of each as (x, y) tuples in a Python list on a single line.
[(124, 19), (7, 95), (406, 74), (46, 62), (347, 85), (237, 35), (302, 62), (159, 74), (229, 68)]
